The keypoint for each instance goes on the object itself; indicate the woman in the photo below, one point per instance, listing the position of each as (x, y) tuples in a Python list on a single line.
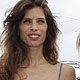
[(78, 47), (30, 48), (78, 43)]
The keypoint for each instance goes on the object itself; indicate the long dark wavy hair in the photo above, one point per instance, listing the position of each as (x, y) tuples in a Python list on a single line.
[(15, 51)]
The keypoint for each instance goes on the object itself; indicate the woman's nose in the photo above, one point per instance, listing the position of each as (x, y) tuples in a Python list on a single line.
[(34, 26)]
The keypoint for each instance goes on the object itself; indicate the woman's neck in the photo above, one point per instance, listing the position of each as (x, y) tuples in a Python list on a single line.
[(36, 56)]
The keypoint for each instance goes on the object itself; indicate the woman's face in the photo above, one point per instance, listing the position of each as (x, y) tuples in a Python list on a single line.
[(33, 27)]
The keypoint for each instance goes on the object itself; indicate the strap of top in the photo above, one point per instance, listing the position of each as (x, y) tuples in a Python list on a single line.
[(60, 72)]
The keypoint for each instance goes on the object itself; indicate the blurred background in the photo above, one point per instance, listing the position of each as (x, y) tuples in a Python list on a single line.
[(68, 19)]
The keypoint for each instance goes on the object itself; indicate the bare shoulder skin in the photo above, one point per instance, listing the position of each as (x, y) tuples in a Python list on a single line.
[(68, 73), (49, 72)]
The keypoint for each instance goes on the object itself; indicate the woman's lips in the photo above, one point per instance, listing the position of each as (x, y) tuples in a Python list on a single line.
[(34, 36)]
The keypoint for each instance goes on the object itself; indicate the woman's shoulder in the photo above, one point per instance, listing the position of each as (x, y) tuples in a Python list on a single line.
[(68, 68), (68, 72)]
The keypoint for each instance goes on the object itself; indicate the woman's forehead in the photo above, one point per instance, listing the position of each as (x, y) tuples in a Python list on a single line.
[(35, 12)]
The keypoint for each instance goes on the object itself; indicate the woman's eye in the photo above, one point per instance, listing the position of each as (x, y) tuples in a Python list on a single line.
[(41, 21), (27, 21)]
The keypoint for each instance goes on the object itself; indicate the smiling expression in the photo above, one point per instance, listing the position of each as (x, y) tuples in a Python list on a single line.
[(33, 27)]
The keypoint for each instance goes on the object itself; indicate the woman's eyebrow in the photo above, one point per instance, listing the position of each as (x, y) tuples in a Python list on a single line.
[(40, 18), (27, 18)]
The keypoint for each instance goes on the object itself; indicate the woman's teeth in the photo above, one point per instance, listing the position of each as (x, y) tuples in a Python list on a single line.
[(34, 36)]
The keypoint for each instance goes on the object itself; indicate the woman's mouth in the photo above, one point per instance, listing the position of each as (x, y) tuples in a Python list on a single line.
[(34, 36)]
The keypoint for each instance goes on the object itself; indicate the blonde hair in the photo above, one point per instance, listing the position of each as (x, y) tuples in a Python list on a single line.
[(0, 40), (78, 43)]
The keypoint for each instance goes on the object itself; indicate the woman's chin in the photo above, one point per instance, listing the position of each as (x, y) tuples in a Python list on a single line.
[(35, 45)]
